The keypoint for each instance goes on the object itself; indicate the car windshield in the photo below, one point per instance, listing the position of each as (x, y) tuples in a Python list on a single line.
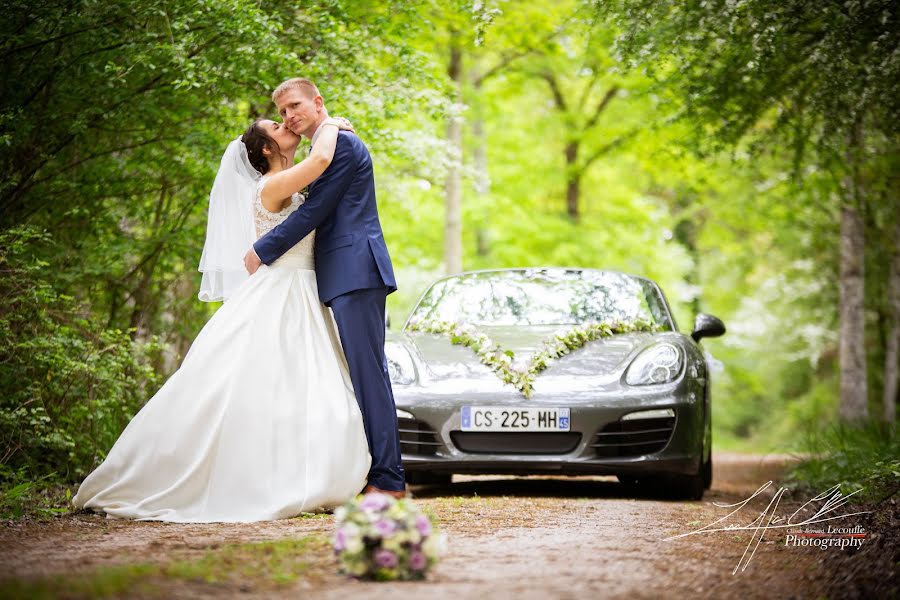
[(543, 297)]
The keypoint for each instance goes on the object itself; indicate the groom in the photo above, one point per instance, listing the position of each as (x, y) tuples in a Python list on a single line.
[(353, 270)]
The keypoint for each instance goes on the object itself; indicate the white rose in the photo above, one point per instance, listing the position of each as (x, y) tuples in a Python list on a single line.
[(354, 544)]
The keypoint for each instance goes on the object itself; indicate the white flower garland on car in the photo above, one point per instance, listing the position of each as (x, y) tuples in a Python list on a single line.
[(502, 362)]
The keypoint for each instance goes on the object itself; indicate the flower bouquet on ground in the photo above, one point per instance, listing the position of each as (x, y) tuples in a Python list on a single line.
[(379, 537)]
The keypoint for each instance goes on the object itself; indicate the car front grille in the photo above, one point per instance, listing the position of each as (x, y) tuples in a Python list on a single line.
[(633, 438), (502, 442), (417, 438)]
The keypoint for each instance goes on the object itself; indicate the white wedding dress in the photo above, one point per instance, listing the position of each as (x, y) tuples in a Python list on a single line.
[(260, 421)]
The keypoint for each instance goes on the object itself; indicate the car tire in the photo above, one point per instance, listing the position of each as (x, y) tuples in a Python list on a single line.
[(686, 487), (707, 471), (428, 478)]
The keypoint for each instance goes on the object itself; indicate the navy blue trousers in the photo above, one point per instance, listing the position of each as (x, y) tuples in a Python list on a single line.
[(360, 320)]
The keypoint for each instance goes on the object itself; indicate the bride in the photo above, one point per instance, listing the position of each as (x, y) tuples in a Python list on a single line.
[(260, 422)]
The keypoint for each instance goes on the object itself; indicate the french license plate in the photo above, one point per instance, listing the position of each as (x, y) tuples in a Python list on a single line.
[(504, 418)]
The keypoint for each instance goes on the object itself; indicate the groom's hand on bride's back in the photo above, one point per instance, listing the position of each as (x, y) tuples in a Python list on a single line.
[(251, 261)]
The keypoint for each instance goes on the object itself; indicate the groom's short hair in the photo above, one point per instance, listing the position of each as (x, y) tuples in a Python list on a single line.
[(305, 86)]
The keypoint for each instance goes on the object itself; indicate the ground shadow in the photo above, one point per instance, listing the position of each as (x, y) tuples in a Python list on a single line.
[(547, 487)]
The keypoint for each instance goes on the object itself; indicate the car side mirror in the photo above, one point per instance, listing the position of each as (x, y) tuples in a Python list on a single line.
[(707, 326)]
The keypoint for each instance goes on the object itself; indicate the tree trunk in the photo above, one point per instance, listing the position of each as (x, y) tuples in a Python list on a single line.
[(893, 338), (479, 154), (453, 188), (143, 305), (686, 233), (573, 180), (854, 395), (482, 178)]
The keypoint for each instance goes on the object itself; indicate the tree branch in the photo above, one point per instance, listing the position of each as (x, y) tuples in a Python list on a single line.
[(606, 148), (554, 89), (511, 57), (63, 36), (94, 155), (602, 106), (27, 181), (587, 90)]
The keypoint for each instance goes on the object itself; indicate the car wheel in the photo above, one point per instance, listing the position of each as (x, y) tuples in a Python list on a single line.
[(707, 472), (428, 478), (687, 487), (707, 467)]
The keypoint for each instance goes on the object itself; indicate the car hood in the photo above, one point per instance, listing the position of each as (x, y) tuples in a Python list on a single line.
[(439, 361)]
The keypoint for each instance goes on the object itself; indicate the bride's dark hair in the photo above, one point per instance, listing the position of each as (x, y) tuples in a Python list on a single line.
[(255, 139)]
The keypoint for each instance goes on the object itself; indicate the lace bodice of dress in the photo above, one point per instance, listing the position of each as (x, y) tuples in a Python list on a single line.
[(266, 221)]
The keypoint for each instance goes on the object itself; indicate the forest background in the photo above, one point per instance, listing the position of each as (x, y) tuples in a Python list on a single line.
[(741, 153)]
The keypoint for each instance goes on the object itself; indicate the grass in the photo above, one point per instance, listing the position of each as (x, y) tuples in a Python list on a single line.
[(440, 502), (866, 458), (105, 583), (243, 566), (40, 499)]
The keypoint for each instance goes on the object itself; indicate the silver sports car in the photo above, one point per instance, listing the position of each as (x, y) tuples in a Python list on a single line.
[(552, 371)]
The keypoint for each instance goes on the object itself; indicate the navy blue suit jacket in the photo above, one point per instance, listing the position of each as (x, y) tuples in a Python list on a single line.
[(350, 250)]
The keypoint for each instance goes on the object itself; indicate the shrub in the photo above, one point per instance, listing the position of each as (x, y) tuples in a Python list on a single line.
[(67, 385), (866, 458)]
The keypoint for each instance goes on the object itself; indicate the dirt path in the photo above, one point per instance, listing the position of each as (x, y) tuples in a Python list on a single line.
[(520, 537)]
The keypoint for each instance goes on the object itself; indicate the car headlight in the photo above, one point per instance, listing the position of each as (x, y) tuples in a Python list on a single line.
[(658, 364), (400, 364)]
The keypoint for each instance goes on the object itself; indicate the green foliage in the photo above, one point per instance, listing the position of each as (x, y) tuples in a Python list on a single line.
[(114, 116), (38, 498), (864, 458), (808, 92), (67, 386), (812, 70)]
